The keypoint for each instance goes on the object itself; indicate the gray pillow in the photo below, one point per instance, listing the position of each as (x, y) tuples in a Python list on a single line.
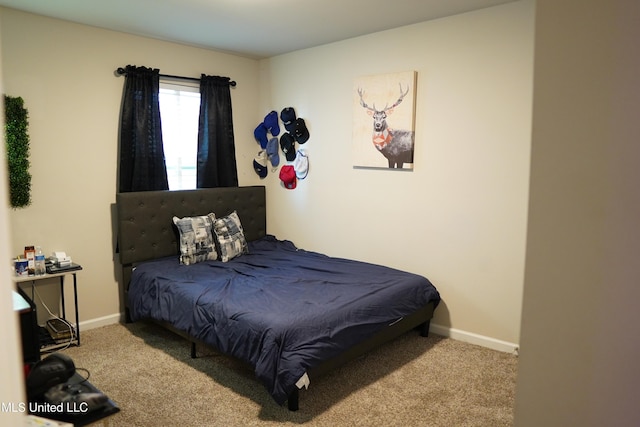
[(230, 236), (196, 240)]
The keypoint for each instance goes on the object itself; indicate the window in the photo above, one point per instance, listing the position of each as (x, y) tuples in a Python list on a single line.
[(179, 112)]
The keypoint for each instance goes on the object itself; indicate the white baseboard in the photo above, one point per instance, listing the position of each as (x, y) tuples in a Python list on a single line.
[(476, 339), (100, 321)]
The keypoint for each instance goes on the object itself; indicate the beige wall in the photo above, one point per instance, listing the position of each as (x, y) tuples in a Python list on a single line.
[(580, 346), (12, 390), (65, 74), (460, 217)]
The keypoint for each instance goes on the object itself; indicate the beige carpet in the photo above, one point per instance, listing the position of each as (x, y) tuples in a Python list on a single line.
[(412, 381)]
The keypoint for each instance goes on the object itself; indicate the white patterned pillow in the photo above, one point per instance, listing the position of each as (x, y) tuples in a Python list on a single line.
[(230, 235), (196, 240)]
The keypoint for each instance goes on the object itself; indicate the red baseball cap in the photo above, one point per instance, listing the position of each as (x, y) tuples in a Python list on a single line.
[(288, 177)]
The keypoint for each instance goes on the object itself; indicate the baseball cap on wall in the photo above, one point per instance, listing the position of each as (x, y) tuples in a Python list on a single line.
[(301, 164), (271, 123), (288, 145), (300, 131), (288, 177), (260, 134), (260, 164), (273, 152), (288, 117)]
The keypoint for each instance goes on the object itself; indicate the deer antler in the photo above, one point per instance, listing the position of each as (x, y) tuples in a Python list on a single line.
[(402, 95), (364, 104), (386, 108)]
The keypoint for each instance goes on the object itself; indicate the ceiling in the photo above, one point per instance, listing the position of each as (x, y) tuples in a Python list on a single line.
[(252, 28)]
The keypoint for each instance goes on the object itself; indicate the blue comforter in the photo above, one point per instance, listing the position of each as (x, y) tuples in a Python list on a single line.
[(281, 309)]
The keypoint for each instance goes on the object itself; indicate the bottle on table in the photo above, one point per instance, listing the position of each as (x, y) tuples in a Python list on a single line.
[(40, 267)]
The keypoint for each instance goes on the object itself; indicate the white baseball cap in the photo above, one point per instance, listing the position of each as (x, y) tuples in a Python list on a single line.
[(301, 164)]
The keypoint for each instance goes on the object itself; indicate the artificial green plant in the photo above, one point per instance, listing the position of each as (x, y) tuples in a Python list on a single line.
[(17, 148)]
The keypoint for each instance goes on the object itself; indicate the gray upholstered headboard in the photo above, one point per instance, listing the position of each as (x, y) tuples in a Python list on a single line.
[(145, 226)]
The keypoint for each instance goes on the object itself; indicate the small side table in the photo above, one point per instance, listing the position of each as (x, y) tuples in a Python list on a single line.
[(61, 273)]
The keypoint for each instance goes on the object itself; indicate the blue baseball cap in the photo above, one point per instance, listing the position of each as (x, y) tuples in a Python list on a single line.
[(273, 152)]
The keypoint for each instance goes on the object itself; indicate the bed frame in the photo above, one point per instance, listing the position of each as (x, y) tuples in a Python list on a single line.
[(146, 231)]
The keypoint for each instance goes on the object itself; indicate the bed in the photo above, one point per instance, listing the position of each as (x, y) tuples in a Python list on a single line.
[(290, 313)]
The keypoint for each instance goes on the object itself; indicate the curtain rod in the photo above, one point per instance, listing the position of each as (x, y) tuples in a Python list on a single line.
[(121, 72)]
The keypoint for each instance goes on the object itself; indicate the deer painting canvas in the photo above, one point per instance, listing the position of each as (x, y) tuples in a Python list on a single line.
[(383, 133)]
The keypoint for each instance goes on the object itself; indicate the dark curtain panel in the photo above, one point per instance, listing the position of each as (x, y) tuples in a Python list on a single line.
[(142, 166), (216, 145)]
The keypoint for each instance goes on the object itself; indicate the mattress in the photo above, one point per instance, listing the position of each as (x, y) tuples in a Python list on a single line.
[(282, 309)]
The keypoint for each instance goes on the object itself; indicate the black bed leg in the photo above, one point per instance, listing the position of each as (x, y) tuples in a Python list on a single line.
[(424, 329), (193, 350), (292, 401)]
